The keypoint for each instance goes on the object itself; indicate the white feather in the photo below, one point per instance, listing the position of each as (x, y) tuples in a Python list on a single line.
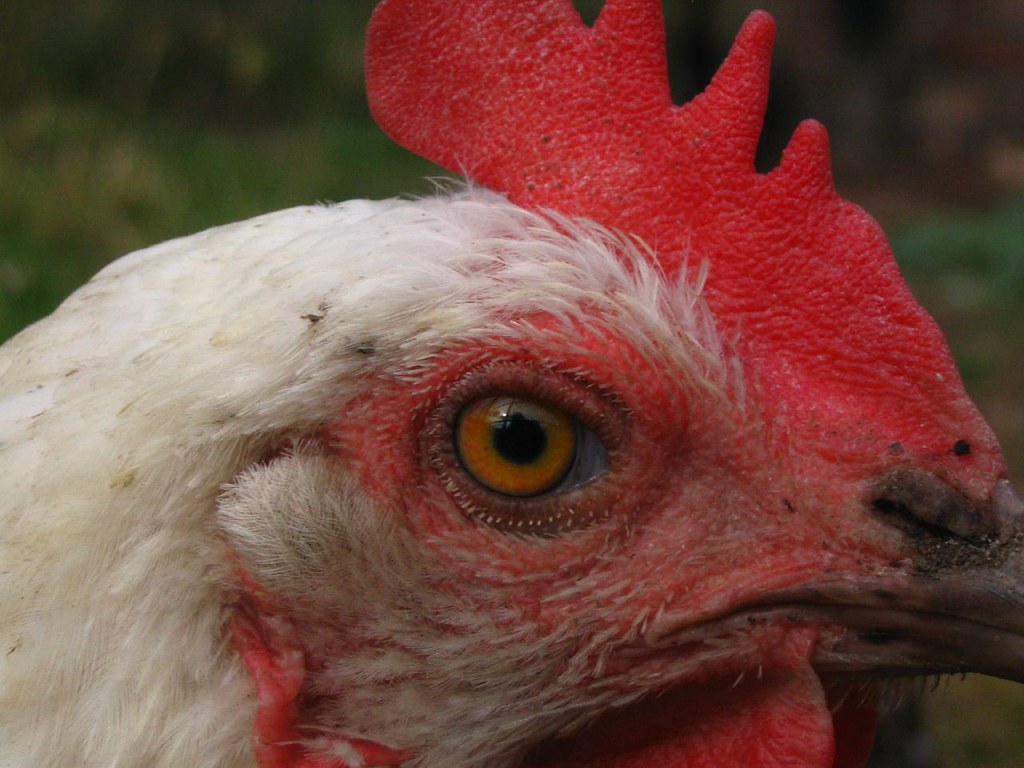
[(125, 414)]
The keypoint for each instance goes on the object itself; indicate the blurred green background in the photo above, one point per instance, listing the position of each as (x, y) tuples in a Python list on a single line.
[(124, 123)]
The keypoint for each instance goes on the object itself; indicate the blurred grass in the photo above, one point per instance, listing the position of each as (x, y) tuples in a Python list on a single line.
[(126, 124), (123, 124), (976, 722)]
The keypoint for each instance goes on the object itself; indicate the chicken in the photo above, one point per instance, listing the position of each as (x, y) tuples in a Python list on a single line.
[(623, 455)]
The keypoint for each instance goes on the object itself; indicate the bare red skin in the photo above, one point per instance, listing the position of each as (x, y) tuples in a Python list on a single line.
[(530, 102), (854, 721), (278, 674), (378, 437), (527, 100), (765, 723)]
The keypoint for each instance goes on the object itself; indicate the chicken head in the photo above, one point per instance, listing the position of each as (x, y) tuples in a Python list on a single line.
[(623, 455)]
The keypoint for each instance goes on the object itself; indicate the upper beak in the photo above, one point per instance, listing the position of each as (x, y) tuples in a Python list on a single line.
[(956, 606)]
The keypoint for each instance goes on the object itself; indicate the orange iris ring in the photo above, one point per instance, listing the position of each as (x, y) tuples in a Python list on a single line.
[(480, 457)]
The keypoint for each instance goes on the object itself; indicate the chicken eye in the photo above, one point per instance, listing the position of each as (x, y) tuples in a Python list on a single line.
[(518, 447)]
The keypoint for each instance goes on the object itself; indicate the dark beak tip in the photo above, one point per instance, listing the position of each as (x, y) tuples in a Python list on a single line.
[(1008, 507)]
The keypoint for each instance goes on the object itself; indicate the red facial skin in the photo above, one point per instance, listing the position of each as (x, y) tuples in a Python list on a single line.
[(682, 548), (704, 506)]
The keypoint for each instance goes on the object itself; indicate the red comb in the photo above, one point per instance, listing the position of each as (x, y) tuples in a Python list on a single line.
[(526, 99)]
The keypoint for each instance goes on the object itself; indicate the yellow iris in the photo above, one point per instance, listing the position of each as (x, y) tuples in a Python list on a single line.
[(515, 447)]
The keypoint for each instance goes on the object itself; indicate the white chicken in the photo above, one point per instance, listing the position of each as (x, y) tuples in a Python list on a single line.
[(181, 366), (446, 482)]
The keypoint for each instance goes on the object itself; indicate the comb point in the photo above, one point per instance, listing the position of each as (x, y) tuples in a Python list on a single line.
[(634, 33), (806, 166), (735, 100)]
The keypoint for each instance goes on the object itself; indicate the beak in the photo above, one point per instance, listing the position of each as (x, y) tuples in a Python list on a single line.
[(958, 622), (960, 609), (958, 605)]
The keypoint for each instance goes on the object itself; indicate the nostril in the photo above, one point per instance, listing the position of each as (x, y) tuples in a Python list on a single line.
[(913, 495), (962, 448)]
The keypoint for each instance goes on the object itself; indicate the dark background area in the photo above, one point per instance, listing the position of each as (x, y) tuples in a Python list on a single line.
[(125, 123)]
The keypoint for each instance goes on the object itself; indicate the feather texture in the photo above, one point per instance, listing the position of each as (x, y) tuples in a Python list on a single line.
[(159, 383)]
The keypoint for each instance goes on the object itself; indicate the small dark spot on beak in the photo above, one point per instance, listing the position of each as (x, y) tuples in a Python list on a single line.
[(961, 448)]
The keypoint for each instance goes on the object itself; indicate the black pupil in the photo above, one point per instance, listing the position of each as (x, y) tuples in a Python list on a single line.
[(519, 439)]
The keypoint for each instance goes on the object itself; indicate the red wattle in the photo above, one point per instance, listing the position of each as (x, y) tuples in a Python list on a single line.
[(855, 721), (775, 715), (779, 721)]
